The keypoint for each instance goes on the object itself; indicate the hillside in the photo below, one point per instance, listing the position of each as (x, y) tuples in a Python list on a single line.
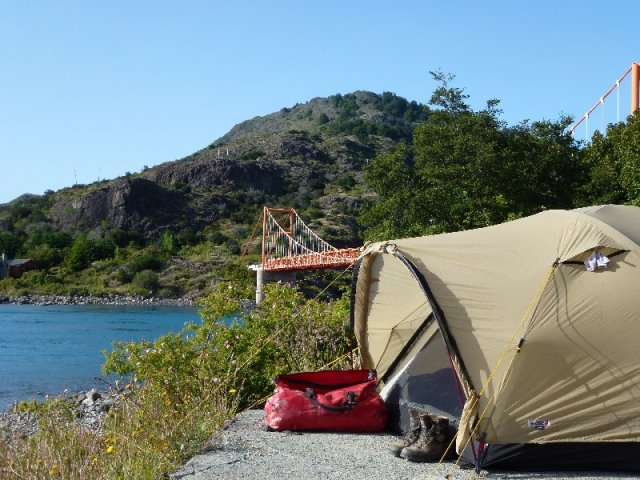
[(310, 157)]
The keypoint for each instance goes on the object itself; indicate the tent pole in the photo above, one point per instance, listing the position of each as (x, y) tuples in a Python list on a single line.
[(437, 313)]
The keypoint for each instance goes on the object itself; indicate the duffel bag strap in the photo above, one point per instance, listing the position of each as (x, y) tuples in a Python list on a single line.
[(348, 404)]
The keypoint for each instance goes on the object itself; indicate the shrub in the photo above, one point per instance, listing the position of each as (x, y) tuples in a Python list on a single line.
[(146, 261), (147, 435), (346, 181), (218, 238), (323, 118), (146, 280), (241, 350), (232, 246), (45, 256), (104, 248), (80, 254)]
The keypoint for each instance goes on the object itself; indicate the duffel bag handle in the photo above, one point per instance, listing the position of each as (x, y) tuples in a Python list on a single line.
[(349, 403)]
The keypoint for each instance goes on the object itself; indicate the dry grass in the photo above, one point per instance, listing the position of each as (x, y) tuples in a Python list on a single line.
[(146, 436)]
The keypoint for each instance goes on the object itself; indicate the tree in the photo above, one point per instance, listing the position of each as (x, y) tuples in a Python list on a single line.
[(628, 150), (451, 99), (168, 243), (614, 164), (392, 176), (9, 243), (45, 256), (466, 169), (80, 254)]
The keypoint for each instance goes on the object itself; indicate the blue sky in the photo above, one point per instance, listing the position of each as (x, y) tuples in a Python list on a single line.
[(92, 90)]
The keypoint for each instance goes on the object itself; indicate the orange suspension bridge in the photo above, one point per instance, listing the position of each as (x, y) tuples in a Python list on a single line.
[(289, 245)]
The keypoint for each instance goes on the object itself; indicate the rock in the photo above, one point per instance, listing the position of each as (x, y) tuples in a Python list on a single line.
[(91, 397), (90, 411), (136, 204)]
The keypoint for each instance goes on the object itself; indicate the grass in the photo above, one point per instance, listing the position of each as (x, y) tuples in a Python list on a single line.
[(145, 437)]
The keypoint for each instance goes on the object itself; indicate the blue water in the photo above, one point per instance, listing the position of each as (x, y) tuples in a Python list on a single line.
[(47, 349)]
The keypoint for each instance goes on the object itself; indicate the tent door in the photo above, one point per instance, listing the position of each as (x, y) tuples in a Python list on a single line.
[(427, 382)]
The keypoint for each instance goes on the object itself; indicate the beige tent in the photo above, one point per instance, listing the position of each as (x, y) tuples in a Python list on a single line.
[(507, 331)]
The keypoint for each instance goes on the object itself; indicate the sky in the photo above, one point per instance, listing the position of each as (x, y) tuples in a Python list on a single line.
[(93, 90)]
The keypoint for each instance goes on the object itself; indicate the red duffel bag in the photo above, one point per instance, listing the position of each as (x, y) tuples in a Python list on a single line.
[(329, 400)]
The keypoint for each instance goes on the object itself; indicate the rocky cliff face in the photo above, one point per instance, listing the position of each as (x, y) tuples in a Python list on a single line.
[(137, 204), (170, 197), (209, 172)]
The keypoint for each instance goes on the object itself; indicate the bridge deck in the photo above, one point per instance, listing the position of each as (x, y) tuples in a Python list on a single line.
[(340, 258)]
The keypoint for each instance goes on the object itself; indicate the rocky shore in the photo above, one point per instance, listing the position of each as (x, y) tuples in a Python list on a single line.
[(111, 299), (89, 410)]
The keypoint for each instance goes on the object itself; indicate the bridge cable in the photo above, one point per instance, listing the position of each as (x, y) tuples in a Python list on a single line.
[(247, 245)]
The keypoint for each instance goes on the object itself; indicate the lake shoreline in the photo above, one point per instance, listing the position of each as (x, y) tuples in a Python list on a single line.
[(90, 408), (110, 299)]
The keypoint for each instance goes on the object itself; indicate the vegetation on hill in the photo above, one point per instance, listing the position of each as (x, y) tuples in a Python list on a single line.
[(176, 228), (467, 169)]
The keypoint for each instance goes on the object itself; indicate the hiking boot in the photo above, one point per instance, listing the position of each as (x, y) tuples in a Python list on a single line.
[(431, 444), (412, 435)]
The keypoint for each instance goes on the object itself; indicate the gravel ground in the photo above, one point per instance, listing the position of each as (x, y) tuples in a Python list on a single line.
[(247, 451)]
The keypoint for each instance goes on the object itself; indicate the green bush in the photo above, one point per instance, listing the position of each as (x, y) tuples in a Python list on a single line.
[(240, 351), (80, 255), (232, 246), (122, 276), (45, 256), (146, 261), (346, 181), (147, 281), (323, 118), (218, 238)]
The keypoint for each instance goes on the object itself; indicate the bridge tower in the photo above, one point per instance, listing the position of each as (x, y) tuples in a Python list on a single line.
[(635, 88)]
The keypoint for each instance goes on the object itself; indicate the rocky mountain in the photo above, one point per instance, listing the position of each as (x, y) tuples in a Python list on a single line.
[(310, 157)]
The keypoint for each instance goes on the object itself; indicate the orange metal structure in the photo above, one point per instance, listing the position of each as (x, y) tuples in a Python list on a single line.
[(634, 69), (635, 80), (293, 255), (265, 212), (602, 99), (339, 258)]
